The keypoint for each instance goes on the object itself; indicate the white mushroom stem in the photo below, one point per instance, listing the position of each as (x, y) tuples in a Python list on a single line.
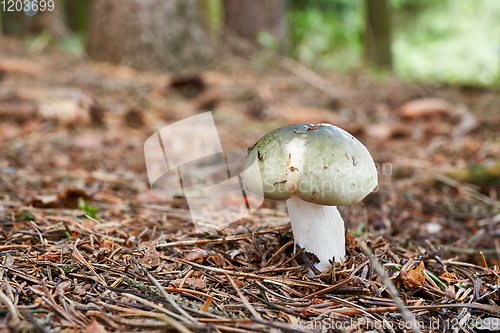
[(318, 229)]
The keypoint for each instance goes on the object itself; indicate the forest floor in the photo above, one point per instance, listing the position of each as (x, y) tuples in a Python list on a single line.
[(73, 130)]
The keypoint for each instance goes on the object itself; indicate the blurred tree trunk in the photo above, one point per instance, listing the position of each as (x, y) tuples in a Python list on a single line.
[(378, 33), (77, 14), (246, 18), (154, 34), (211, 12)]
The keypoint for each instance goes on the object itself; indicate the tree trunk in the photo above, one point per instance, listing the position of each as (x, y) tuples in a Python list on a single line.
[(378, 33), (246, 18), (77, 12), (212, 16), (152, 34)]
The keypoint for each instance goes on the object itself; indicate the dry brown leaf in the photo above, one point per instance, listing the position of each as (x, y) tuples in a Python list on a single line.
[(450, 292), (79, 290), (414, 278), (51, 256), (379, 131), (37, 289), (196, 255), (316, 301), (424, 107), (65, 111), (66, 105), (67, 199), (150, 198), (88, 140), (95, 327), (108, 197), (151, 257), (448, 277), (117, 71), (21, 66), (108, 244), (195, 282), (62, 287)]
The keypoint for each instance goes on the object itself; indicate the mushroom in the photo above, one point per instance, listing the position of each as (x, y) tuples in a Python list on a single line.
[(314, 168)]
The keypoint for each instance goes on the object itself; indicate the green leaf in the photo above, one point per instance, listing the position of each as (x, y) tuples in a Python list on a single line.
[(90, 211), (27, 215)]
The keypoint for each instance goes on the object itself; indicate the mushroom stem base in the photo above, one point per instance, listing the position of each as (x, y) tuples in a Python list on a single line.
[(318, 229)]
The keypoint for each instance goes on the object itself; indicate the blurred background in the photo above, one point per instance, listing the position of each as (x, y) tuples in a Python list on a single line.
[(439, 41)]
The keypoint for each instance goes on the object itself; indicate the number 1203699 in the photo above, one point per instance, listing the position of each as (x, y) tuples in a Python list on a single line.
[(26, 5)]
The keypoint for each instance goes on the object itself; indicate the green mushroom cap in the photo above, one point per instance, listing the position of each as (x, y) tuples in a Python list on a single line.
[(322, 163)]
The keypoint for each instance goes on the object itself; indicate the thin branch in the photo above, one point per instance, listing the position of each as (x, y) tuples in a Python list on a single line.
[(410, 318)]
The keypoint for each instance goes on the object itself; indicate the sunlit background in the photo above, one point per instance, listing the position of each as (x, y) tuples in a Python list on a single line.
[(432, 40)]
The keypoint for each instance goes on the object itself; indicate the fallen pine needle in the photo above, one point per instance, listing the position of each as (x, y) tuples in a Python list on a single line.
[(409, 317), (330, 289), (207, 304), (169, 298), (483, 259), (248, 275), (243, 298), (12, 309), (78, 256), (157, 307), (175, 324), (189, 291)]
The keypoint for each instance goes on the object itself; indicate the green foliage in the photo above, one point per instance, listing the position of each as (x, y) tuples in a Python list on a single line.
[(453, 41), (327, 33), (76, 12), (268, 41), (73, 44), (91, 211), (65, 231), (214, 13), (25, 215), (433, 40)]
